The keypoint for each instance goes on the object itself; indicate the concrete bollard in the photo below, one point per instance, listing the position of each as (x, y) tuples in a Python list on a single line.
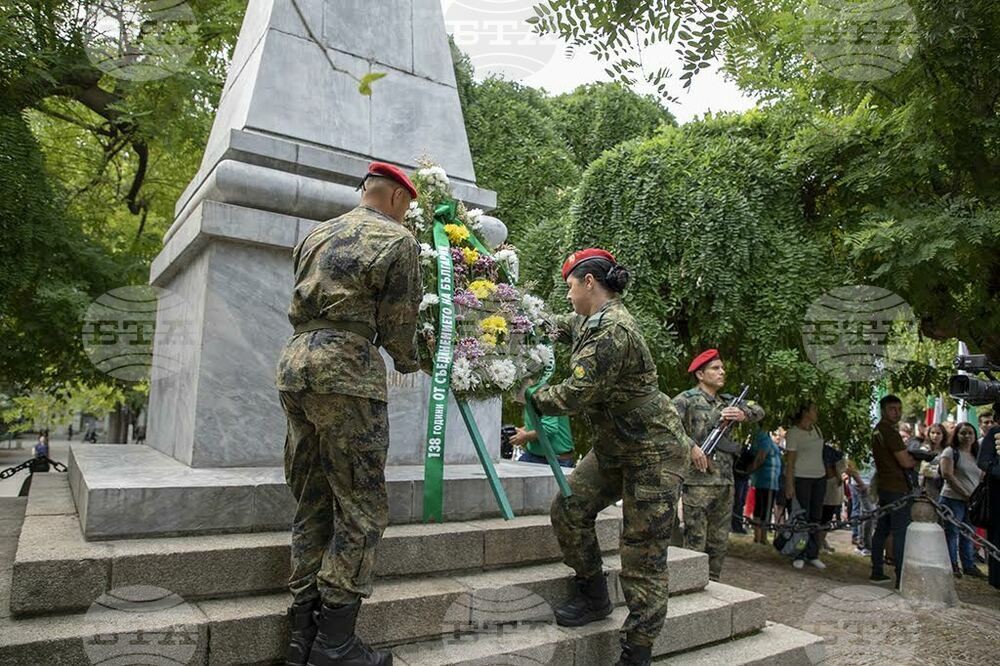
[(927, 576)]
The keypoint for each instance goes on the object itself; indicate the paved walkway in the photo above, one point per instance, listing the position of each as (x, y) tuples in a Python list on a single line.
[(863, 623)]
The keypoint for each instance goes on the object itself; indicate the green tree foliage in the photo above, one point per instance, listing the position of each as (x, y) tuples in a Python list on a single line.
[(52, 269), (599, 116), (712, 227), (905, 168), (518, 152), (90, 189), (531, 149)]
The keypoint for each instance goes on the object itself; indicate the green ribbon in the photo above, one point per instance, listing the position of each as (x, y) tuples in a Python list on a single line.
[(535, 423), (437, 412)]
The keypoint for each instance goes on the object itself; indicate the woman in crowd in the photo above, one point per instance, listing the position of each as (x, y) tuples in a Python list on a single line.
[(930, 475), (805, 473), (765, 477), (961, 476), (833, 500), (989, 462)]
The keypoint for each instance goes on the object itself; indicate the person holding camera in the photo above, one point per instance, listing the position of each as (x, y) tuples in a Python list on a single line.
[(989, 461)]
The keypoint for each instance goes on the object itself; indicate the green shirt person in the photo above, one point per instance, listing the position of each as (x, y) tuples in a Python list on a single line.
[(640, 454), (557, 431)]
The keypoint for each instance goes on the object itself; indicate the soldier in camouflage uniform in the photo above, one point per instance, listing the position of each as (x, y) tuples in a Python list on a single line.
[(357, 287), (708, 495), (640, 455)]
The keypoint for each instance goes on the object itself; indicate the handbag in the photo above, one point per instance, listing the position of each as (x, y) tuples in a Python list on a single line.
[(979, 502), (791, 540)]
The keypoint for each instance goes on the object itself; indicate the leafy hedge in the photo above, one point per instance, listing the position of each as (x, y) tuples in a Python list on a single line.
[(710, 221)]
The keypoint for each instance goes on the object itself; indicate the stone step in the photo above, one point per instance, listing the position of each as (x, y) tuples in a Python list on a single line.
[(718, 613), (774, 645), (52, 550), (126, 491), (253, 629)]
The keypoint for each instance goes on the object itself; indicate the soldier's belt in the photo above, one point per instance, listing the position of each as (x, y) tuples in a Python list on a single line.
[(636, 403), (365, 331)]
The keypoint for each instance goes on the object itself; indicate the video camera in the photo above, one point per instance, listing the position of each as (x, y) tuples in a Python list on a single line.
[(971, 389), (506, 447)]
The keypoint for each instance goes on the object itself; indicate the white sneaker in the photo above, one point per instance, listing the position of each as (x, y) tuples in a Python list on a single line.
[(863, 552), (818, 564), (798, 564)]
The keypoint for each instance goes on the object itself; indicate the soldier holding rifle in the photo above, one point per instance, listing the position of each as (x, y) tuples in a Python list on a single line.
[(708, 494)]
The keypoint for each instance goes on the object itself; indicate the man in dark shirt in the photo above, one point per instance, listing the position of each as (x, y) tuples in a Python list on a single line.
[(892, 460)]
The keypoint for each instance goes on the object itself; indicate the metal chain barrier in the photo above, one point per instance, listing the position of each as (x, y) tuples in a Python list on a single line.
[(798, 524), (28, 464), (965, 529)]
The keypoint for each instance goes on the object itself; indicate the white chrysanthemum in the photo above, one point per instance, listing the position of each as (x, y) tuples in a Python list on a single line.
[(509, 257), (427, 254), (503, 373), (428, 301), (463, 375), (428, 328), (541, 354), (435, 175), (533, 306), (475, 218)]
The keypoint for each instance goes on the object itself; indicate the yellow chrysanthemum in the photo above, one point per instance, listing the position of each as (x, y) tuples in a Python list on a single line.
[(457, 233), (470, 255), (494, 325), (488, 340), (482, 288)]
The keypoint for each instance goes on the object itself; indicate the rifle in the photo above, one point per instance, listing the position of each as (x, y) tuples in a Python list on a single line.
[(721, 430)]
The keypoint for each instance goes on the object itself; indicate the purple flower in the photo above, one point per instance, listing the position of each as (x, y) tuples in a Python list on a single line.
[(506, 292), (456, 256), (469, 348), (485, 263), (467, 299), (521, 324)]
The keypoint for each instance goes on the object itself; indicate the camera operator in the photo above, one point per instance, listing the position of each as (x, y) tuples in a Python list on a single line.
[(989, 462), (892, 462)]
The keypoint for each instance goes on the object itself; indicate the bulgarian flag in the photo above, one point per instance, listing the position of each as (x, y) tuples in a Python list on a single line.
[(931, 411)]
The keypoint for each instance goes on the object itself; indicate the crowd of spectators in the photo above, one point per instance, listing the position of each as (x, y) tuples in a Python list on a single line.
[(798, 473)]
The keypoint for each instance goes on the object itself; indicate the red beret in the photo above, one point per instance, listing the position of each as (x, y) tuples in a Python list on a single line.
[(703, 359), (392, 172), (578, 258)]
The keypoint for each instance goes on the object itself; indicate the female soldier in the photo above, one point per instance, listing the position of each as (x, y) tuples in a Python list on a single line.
[(640, 455)]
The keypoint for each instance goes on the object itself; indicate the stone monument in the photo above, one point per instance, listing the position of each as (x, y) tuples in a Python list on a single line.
[(292, 137)]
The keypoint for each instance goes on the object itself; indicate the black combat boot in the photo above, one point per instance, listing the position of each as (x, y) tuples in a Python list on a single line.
[(590, 604), (635, 655), (337, 645), (302, 628)]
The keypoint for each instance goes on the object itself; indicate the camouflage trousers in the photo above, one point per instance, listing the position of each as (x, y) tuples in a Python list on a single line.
[(335, 466), (708, 512), (649, 495)]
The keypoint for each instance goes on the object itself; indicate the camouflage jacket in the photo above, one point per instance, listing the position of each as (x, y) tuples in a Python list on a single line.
[(613, 382), (362, 267), (700, 413)]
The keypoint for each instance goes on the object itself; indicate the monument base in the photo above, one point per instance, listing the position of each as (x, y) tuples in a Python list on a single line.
[(124, 491)]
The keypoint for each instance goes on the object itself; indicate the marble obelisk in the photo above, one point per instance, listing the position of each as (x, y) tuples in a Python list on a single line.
[(292, 137)]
